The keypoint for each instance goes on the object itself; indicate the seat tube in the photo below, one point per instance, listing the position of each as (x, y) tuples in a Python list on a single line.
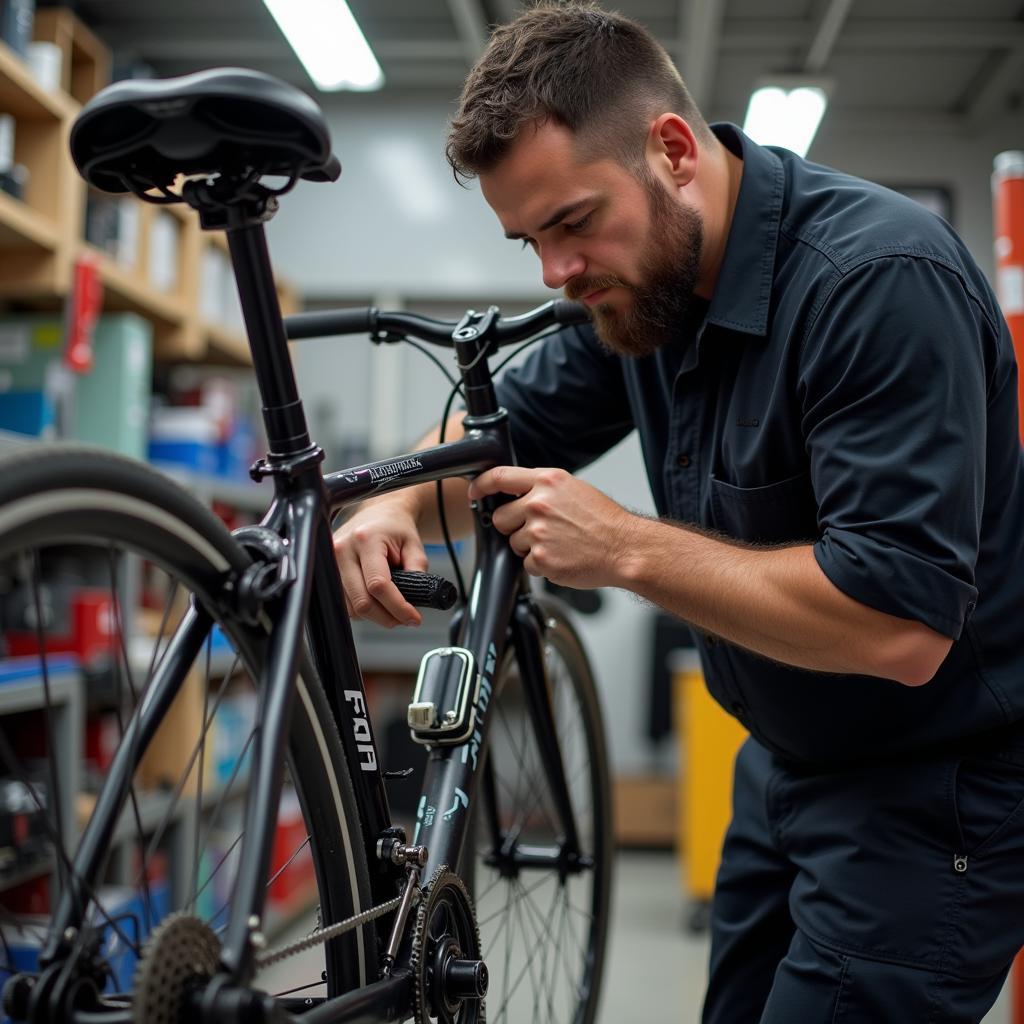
[(283, 414)]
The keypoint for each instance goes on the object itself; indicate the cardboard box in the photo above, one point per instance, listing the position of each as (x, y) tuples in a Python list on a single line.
[(645, 810)]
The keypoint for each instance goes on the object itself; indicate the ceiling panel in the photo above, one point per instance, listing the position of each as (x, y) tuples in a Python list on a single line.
[(959, 58)]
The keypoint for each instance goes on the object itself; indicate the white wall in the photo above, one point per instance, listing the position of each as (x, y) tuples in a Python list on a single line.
[(396, 229), (396, 221)]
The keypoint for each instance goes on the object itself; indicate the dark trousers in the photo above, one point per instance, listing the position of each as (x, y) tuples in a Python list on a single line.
[(892, 892)]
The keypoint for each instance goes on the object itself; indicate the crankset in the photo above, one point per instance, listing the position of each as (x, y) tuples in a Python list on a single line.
[(450, 978)]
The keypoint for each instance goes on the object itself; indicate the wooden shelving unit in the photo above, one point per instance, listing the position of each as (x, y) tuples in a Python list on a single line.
[(37, 230), (41, 234), (86, 65)]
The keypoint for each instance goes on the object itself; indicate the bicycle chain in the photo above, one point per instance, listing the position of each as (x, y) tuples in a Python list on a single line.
[(322, 935)]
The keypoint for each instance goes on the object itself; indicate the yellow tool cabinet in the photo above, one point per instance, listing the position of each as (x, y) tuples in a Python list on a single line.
[(709, 739)]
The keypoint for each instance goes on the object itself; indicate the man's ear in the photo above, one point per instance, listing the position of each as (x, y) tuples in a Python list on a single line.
[(672, 148)]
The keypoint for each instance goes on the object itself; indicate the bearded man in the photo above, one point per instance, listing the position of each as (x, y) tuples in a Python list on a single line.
[(826, 398)]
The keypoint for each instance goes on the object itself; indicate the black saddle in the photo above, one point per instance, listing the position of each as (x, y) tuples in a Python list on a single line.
[(135, 136)]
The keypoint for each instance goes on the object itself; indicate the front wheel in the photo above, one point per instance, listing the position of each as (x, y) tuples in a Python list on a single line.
[(543, 928)]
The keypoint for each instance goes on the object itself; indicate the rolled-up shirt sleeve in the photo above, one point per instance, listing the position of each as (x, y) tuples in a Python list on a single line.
[(567, 402), (892, 383)]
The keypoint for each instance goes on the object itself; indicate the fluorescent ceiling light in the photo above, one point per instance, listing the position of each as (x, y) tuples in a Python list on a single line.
[(787, 117), (329, 42)]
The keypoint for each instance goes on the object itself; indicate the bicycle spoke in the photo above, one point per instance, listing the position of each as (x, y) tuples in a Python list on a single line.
[(223, 795), (118, 701), (288, 863), (227, 853), (546, 924), (194, 881), (541, 939), (55, 801), (179, 787), (143, 558), (533, 784), (511, 883), (508, 946), (7, 756)]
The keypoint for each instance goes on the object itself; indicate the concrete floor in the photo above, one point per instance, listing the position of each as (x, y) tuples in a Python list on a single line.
[(656, 969)]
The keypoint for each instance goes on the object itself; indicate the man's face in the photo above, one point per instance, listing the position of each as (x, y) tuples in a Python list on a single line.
[(628, 248)]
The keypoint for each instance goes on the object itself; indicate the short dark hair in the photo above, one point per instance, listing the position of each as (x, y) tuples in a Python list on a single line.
[(601, 75)]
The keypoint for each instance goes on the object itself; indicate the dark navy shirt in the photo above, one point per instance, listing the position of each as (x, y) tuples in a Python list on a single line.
[(851, 384)]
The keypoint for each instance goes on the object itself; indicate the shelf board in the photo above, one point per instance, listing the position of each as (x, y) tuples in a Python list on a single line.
[(225, 345), (23, 872), (218, 239), (179, 211), (11, 442), (246, 495), (126, 290), (22, 227), (23, 97)]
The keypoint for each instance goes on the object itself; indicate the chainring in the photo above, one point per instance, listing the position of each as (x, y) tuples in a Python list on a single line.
[(445, 923), (181, 950)]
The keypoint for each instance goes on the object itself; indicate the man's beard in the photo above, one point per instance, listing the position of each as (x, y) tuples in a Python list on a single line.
[(667, 276)]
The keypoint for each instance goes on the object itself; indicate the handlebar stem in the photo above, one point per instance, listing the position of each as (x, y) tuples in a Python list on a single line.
[(471, 338)]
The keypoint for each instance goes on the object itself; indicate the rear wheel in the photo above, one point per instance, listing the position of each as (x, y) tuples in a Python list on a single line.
[(100, 558), (543, 927)]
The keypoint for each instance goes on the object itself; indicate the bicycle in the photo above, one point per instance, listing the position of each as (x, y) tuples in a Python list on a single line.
[(513, 828)]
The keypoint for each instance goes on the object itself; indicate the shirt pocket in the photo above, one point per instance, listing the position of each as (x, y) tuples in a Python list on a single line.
[(769, 514)]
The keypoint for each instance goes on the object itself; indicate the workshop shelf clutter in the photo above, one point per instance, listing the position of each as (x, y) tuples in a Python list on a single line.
[(159, 381)]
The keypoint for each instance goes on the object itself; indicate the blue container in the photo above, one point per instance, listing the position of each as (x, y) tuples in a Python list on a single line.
[(198, 456)]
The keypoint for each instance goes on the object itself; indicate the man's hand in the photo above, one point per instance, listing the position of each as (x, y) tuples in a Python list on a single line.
[(382, 535), (564, 529)]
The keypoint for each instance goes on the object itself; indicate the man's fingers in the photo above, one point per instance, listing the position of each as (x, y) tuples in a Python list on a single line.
[(383, 591), (509, 518), (414, 558), (369, 592), (502, 480)]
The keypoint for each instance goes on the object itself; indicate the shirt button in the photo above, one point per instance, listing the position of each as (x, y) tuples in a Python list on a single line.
[(738, 709), (683, 460), (710, 640)]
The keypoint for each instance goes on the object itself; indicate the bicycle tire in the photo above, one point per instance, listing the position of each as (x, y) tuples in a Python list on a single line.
[(75, 502), (523, 941)]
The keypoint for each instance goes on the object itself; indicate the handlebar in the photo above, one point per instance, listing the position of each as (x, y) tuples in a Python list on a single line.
[(397, 325)]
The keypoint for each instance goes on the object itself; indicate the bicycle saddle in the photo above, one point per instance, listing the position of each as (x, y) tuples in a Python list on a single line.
[(134, 136)]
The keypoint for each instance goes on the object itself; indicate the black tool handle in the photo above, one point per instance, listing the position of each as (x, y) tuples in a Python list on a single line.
[(424, 589)]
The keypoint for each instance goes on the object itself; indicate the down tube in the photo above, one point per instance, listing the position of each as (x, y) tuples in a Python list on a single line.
[(334, 651), (450, 779)]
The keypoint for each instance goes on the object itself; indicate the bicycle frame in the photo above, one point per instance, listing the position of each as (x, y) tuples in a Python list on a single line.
[(301, 512)]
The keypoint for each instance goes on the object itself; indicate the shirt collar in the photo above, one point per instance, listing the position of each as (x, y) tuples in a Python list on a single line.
[(743, 290)]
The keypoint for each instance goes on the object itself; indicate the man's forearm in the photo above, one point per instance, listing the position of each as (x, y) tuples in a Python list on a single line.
[(775, 601)]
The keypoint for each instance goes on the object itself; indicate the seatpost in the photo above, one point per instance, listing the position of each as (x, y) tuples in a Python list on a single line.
[(239, 206), (287, 433)]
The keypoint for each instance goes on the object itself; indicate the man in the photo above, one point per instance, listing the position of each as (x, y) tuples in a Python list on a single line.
[(825, 393)]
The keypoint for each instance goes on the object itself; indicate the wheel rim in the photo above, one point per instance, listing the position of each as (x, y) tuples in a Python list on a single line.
[(179, 835)]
